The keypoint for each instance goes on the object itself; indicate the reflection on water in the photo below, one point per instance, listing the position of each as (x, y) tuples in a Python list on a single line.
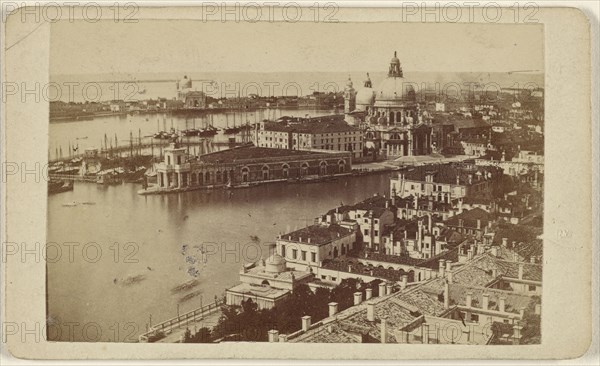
[(139, 259)]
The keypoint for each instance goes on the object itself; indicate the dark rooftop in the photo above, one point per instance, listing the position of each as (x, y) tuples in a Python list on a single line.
[(318, 234), (326, 124), (251, 153)]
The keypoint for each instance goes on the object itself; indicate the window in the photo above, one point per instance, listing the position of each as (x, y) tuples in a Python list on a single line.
[(323, 277), (366, 231), (294, 253), (532, 287), (376, 221), (366, 221), (313, 257), (376, 232), (475, 318), (283, 251), (303, 255)]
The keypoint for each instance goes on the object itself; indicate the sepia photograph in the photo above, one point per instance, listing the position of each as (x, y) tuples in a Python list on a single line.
[(326, 175), (287, 185)]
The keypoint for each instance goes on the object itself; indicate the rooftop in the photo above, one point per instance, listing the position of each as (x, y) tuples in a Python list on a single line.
[(448, 173), (318, 234), (319, 125), (250, 152)]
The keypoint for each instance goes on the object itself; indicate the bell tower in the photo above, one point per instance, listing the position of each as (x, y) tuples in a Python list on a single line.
[(349, 97)]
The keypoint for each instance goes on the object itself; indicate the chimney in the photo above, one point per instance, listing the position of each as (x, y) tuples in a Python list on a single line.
[(478, 224), (494, 272), (505, 242), (446, 295), (517, 333), (384, 329), (520, 271), (470, 254), (425, 332), (442, 269), (460, 222), (388, 288), (485, 299), (502, 304), (333, 308), (306, 323), (469, 299), (495, 251), (309, 240), (448, 265), (273, 336), (387, 204), (371, 312), (404, 282), (416, 202), (357, 298), (429, 222), (368, 293), (381, 288)]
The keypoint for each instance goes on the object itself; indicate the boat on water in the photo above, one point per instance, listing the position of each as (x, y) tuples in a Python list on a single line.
[(58, 186)]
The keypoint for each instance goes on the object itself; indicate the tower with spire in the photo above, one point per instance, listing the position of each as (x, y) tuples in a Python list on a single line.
[(349, 97), (395, 68)]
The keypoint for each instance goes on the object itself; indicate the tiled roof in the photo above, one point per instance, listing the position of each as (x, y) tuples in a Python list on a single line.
[(318, 234), (447, 173), (252, 153), (470, 218), (514, 301), (319, 125)]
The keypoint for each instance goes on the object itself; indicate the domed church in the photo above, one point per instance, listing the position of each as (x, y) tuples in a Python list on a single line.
[(390, 115)]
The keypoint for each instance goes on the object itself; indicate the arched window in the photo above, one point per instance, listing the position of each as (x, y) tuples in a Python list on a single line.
[(341, 166), (265, 172), (323, 168), (266, 283), (285, 169), (207, 178), (219, 176), (304, 169), (392, 117), (245, 174), (200, 178)]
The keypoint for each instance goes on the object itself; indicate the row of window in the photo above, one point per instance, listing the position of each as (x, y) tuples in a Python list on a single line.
[(303, 254)]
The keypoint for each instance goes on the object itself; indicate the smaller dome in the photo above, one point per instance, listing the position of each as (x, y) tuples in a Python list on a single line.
[(185, 83), (275, 264), (365, 96)]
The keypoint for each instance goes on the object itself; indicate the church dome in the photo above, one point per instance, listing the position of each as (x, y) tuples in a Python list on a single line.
[(365, 96), (185, 83), (275, 264), (395, 88)]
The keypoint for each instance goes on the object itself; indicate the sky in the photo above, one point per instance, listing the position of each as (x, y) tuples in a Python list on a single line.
[(156, 46)]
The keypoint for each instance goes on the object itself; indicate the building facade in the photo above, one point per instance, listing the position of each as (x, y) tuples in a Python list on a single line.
[(390, 116), (324, 133), (245, 165)]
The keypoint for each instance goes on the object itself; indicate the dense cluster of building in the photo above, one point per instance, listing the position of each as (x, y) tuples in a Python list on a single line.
[(450, 264)]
